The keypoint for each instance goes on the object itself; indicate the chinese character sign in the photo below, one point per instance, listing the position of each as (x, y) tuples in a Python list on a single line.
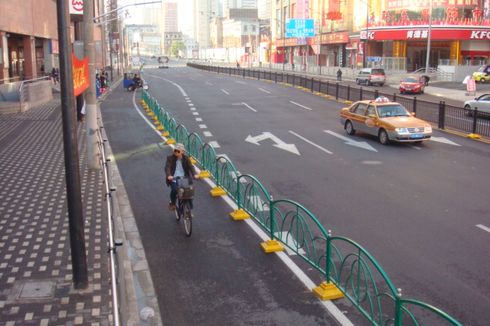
[(80, 75), (300, 28)]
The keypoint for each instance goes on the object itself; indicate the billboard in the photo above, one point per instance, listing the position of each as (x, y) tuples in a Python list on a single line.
[(300, 27), (76, 7)]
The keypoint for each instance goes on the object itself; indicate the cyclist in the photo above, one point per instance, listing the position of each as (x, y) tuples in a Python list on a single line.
[(178, 165)]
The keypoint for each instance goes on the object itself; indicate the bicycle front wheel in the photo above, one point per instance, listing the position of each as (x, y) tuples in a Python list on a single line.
[(187, 214), (178, 212)]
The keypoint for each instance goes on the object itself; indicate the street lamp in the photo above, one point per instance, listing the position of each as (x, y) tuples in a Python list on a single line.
[(428, 38), (364, 57)]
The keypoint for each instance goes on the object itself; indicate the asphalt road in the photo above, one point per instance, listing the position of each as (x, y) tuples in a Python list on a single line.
[(422, 211), (219, 276)]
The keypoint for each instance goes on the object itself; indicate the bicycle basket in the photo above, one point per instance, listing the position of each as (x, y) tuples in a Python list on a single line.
[(185, 192)]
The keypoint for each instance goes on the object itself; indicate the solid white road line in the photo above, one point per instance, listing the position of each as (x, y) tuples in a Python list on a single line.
[(171, 82), (203, 126), (483, 227), (307, 282), (224, 91), (302, 106), (207, 134), (310, 142), (264, 90)]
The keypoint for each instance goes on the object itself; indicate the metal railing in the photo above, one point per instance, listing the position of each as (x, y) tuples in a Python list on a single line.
[(22, 93), (337, 259), (112, 246), (439, 113)]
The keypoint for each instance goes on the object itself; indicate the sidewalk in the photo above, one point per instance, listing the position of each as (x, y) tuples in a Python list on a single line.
[(35, 270)]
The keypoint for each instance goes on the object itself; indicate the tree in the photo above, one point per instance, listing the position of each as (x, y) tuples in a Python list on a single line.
[(177, 45)]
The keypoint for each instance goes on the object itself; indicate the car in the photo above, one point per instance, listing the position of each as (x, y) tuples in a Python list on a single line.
[(414, 85), (482, 75), (427, 74), (371, 76), (387, 120), (482, 103)]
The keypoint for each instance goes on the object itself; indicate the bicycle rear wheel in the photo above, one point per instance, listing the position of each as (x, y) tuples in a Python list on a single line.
[(187, 214)]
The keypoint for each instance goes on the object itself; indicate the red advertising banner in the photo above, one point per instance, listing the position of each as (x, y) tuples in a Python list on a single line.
[(422, 34), (403, 4), (80, 75)]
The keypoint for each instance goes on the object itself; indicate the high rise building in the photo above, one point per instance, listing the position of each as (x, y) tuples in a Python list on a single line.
[(170, 20), (204, 11), (246, 4), (265, 9)]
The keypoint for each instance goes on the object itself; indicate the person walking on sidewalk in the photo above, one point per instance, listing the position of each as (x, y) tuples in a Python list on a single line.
[(178, 165), (339, 75)]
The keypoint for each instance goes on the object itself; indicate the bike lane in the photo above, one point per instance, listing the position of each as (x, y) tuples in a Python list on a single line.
[(219, 276)]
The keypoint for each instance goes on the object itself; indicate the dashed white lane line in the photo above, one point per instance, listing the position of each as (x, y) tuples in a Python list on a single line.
[(207, 134), (190, 104), (214, 144), (483, 227), (248, 106), (310, 142), (193, 109), (203, 126), (264, 90), (199, 119), (224, 91), (300, 105), (195, 113)]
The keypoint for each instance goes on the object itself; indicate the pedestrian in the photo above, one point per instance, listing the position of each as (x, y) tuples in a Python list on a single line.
[(339, 75), (237, 64), (53, 75), (178, 165)]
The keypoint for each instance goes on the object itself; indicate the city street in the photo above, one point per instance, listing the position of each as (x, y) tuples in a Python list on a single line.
[(420, 210)]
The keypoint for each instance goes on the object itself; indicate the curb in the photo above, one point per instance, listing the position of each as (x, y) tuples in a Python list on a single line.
[(137, 297)]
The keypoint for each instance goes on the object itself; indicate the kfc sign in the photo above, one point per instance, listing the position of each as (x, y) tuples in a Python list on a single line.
[(480, 35), (370, 35), (76, 7)]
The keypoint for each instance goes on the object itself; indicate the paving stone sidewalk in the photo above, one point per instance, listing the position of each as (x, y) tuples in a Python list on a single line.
[(35, 264)]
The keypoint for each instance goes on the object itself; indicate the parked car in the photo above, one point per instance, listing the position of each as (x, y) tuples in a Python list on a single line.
[(482, 103), (389, 121), (427, 74), (414, 85), (482, 75), (371, 76)]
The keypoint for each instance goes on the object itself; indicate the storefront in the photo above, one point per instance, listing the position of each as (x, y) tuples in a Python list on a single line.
[(450, 45)]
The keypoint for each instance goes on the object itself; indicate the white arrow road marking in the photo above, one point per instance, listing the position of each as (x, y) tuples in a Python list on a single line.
[(278, 142), (245, 104), (300, 105), (224, 91), (290, 241), (258, 203), (348, 141), (310, 142), (444, 140), (483, 227), (264, 90)]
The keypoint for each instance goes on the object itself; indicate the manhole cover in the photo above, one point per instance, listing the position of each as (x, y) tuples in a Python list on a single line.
[(37, 290)]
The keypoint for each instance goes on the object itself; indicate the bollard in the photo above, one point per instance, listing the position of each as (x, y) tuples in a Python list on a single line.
[(320, 86), (360, 94), (376, 94), (275, 77), (348, 92), (336, 91), (394, 97), (312, 80), (414, 106)]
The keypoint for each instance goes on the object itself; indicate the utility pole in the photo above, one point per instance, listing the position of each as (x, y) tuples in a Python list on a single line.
[(90, 96), (70, 145), (429, 32)]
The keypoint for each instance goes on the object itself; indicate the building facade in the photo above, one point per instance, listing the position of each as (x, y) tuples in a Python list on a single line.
[(170, 17)]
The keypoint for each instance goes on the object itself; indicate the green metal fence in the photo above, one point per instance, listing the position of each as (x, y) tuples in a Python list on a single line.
[(337, 259)]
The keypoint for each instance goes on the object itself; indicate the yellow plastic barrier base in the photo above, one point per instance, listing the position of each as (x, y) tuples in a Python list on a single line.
[(217, 192), (474, 136), (271, 246), (165, 134), (193, 160), (159, 127), (142, 102), (204, 174), (347, 102), (151, 114), (239, 215), (328, 291), (171, 141)]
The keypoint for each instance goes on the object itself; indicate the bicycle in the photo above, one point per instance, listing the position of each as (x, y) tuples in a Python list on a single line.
[(185, 194)]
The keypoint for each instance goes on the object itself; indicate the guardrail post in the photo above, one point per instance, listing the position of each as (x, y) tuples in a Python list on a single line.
[(348, 92), (328, 86), (398, 308), (312, 80), (329, 253), (320, 86), (475, 119), (442, 113), (376, 94), (336, 91), (360, 94), (275, 77), (258, 75), (414, 105), (243, 73), (394, 97)]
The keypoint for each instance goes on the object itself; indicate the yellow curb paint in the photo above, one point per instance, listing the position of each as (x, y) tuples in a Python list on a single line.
[(239, 215), (328, 291), (204, 174), (217, 192), (271, 246)]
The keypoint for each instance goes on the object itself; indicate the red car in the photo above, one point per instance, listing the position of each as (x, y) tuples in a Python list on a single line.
[(412, 85)]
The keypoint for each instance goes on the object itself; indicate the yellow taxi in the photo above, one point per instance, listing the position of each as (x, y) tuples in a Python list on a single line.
[(389, 121)]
